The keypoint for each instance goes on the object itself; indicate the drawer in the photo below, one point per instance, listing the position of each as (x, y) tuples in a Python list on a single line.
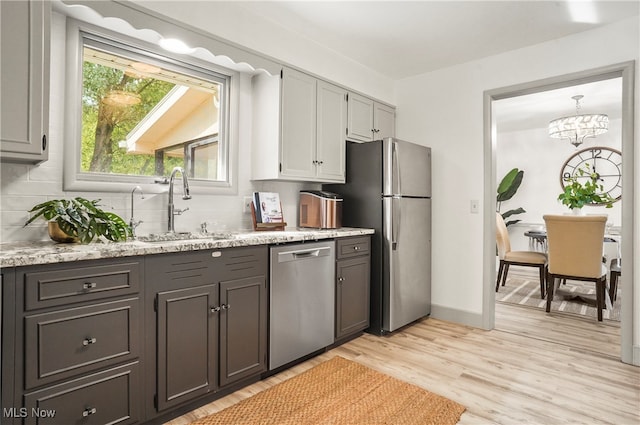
[(353, 247), (61, 344), (59, 286), (109, 397)]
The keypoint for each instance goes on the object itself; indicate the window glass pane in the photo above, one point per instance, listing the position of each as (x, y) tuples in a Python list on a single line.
[(141, 117)]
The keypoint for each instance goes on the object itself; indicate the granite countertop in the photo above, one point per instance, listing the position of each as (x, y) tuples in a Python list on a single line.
[(14, 254)]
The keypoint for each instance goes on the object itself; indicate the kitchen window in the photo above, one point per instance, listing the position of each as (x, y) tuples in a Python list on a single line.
[(139, 111)]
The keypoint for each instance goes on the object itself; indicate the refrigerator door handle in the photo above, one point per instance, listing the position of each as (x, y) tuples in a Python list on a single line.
[(396, 169), (395, 223)]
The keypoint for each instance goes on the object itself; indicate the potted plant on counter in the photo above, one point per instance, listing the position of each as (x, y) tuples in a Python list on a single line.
[(577, 194), (79, 220)]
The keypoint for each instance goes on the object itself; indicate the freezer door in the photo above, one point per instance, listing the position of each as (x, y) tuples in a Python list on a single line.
[(407, 169), (407, 255)]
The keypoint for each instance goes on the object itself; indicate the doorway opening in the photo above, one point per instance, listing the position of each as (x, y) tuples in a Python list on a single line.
[(621, 74)]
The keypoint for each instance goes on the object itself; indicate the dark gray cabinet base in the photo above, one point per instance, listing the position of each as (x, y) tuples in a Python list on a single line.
[(107, 397), (352, 286), (206, 316), (145, 339)]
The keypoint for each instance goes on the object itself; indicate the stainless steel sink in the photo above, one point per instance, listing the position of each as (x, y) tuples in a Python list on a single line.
[(179, 236)]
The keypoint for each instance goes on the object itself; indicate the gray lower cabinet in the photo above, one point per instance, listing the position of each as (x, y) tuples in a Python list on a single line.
[(187, 330), (352, 285), (108, 397), (76, 343), (208, 311)]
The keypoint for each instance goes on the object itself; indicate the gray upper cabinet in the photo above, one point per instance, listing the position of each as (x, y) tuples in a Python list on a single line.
[(299, 125), (25, 46), (369, 120)]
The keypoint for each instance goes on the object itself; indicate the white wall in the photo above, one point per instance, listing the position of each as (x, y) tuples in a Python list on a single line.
[(444, 109), (542, 158)]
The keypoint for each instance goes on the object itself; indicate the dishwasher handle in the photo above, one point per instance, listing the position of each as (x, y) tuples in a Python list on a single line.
[(300, 254)]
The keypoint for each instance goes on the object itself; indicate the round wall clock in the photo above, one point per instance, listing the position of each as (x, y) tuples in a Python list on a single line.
[(606, 162)]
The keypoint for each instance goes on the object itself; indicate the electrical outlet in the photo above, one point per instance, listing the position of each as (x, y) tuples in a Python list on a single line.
[(246, 204)]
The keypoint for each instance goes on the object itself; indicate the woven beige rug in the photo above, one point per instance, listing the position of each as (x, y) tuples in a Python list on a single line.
[(524, 290), (344, 392)]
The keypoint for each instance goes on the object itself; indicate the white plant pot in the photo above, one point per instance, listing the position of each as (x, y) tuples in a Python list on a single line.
[(577, 211)]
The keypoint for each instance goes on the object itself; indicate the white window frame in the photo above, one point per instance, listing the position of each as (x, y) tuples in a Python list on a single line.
[(76, 180)]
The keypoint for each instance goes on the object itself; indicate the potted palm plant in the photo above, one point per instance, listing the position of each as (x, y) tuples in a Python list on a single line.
[(506, 190), (79, 220), (577, 194)]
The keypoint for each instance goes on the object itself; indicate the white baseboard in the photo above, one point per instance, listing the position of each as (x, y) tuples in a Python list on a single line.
[(457, 316)]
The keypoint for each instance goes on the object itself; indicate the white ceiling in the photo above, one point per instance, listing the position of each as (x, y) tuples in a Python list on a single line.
[(404, 38), (400, 39)]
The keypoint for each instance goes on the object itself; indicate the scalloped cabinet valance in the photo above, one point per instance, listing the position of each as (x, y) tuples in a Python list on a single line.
[(134, 21)]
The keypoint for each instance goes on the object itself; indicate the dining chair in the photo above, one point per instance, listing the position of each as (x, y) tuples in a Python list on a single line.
[(615, 270), (516, 258), (575, 246)]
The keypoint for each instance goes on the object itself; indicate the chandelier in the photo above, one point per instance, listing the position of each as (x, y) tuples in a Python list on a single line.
[(578, 127)]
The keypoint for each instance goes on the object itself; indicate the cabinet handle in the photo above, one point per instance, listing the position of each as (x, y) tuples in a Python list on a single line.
[(320, 162), (225, 306), (215, 309), (89, 411), (356, 248), (44, 142), (340, 279), (89, 285), (88, 341)]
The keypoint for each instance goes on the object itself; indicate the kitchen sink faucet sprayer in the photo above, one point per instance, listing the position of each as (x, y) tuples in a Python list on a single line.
[(132, 222), (173, 211)]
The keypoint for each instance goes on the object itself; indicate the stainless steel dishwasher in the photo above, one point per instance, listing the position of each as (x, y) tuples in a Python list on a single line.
[(302, 294)]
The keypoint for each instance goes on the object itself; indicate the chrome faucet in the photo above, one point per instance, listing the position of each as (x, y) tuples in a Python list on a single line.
[(173, 211), (132, 222)]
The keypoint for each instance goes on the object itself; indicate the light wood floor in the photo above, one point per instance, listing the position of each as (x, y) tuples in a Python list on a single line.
[(534, 368)]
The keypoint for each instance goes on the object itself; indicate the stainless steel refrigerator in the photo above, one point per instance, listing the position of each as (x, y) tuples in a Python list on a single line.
[(388, 188)]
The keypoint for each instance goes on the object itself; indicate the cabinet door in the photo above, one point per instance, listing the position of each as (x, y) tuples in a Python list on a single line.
[(243, 328), (187, 344), (360, 118), (25, 79), (332, 123), (384, 118), (298, 145), (352, 295)]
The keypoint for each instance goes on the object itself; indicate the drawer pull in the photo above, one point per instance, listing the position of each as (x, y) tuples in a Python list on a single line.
[(215, 309), (225, 306), (89, 285), (88, 341), (356, 248), (89, 411)]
